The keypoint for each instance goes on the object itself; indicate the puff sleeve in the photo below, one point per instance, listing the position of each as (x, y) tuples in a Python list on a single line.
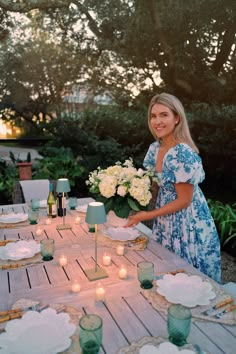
[(183, 165)]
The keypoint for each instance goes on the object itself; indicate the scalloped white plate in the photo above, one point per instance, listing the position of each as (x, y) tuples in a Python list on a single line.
[(13, 218), (187, 290), (19, 250), (164, 348), (82, 208), (121, 233), (37, 333)]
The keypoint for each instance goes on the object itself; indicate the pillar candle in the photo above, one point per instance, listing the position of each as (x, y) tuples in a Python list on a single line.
[(106, 259)]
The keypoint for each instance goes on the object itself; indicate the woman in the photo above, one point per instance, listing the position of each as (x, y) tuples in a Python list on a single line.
[(183, 222)]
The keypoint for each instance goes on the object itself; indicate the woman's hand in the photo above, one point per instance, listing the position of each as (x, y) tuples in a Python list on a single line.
[(133, 220)]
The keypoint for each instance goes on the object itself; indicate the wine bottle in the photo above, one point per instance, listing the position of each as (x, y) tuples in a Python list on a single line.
[(60, 200), (51, 203)]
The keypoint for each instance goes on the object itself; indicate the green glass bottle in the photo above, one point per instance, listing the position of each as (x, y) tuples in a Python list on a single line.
[(51, 203)]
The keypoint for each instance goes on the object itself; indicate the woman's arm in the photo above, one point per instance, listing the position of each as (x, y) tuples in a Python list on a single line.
[(184, 193)]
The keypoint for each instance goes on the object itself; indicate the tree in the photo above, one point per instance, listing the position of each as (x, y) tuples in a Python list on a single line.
[(187, 48)]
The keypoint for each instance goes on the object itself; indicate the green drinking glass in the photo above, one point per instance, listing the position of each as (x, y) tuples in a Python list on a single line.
[(33, 216), (47, 248), (73, 202), (145, 274), (90, 334), (178, 324)]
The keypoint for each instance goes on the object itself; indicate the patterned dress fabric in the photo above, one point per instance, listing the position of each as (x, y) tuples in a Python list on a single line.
[(190, 233)]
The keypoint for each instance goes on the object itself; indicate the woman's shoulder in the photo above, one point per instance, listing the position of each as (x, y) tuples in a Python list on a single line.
[(183, 153)]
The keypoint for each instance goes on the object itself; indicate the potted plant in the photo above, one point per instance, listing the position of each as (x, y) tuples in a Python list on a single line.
[(24, 166)]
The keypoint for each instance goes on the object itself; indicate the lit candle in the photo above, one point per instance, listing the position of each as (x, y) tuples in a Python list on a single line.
[(106, 259), (123, 273), (75, 287), (120, 250), (48, 221), (39, 231), (77, 220), (63, 261), (100, 293)]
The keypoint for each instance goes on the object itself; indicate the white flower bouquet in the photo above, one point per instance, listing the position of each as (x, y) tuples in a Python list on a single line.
[(121, 187)]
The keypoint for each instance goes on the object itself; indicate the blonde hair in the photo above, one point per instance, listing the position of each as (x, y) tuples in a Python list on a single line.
[(181, 132)]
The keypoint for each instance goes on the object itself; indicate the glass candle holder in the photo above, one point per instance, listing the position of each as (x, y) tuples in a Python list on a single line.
[(146, 274), (47, 247), (178, 324), (90, 333), (120, 250)]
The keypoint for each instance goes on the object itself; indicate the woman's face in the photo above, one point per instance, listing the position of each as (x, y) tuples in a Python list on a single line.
[(163, 121)]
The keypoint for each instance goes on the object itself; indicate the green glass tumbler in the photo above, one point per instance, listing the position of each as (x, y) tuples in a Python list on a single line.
[(73, 202), (47, 247), (90, 333), (35, 203), (146, 274), (178, 324), (33, 216)]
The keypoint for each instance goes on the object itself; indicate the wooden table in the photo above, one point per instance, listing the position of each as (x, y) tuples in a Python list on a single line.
[(126, 313)]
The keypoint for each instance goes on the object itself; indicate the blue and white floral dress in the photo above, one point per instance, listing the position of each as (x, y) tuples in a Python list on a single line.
[(190, 233)]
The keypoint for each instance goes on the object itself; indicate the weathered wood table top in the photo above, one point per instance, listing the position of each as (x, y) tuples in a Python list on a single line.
[(126, 313)]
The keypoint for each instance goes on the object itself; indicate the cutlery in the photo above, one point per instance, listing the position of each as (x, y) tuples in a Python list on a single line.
[(174, 272), (220, 304), (19, 265), (228, 309), (18, 313)]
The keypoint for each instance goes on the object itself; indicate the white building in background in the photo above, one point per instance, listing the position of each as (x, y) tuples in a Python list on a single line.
[(81, 97)]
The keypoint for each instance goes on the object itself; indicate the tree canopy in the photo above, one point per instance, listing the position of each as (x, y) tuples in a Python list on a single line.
[(130, 47)]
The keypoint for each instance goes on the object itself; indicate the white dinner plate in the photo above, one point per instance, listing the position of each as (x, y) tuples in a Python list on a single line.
[(13, 218), (164, 348), (37, 333), (82, 208), (43, 203), (19, 250), (187, 290), (121, 233)]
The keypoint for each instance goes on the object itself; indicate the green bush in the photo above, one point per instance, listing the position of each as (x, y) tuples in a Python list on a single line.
[(224, 216)]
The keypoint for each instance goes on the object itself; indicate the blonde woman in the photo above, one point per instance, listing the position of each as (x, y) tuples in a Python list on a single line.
[(182, 220)]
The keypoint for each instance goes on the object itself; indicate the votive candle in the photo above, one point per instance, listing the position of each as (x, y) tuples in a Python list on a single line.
[(123, 273), (63, 261), (39, 231), (48, 221), (106, 259), (75, 287), (120, 250), (100, 293), (77, 220)]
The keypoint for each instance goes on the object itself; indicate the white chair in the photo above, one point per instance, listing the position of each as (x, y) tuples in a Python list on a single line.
[(35, 188)]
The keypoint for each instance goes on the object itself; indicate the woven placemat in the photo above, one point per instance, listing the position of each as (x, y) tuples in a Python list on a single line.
[(14, 225), (74, 314), (139, 244), (160, 303)]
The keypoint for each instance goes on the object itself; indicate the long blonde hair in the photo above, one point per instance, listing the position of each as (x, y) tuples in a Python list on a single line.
[(181, 132)]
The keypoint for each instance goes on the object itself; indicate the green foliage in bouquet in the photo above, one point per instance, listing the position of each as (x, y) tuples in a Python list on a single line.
[(122, 188)]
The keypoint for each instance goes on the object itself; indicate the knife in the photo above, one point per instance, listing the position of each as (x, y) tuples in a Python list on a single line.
[(228, 309), (220, 304), (174, 272)]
